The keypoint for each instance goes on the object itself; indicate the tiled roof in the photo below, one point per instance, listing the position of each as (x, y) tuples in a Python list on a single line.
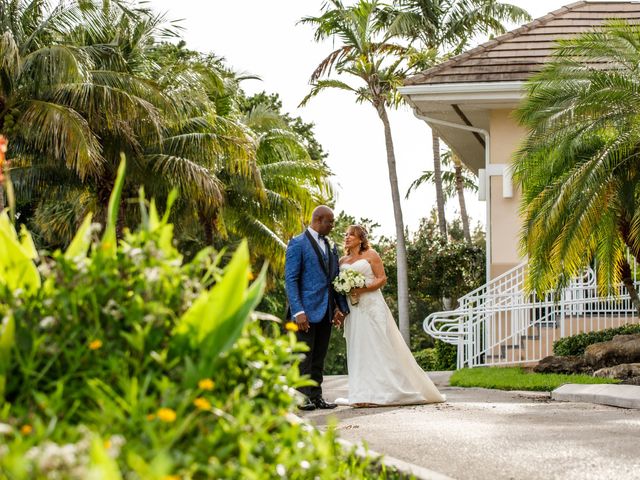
[(518, 54)]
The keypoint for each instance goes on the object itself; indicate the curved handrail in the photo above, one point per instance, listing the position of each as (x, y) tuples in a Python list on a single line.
[(446, 326)]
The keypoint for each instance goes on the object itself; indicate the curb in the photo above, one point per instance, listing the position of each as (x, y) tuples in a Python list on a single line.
[(420, 473), (624, 396)]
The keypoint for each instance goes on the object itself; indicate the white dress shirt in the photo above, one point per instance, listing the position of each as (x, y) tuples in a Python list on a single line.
[(316, 237)]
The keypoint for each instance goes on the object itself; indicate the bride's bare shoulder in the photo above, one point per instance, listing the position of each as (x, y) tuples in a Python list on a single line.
[(371, 254), (342, 259)]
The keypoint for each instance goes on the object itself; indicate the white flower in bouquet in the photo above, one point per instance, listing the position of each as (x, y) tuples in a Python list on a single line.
[(348, 280)]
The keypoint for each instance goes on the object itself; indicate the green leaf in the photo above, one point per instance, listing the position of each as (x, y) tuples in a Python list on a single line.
[(17, 269), (102, 466), (109, 241), (214, 307), (7, 340), (144, 214), (216, 318), (227, 333), (81, 241)]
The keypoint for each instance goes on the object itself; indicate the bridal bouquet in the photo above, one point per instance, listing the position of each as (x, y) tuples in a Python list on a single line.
[(348, 280)]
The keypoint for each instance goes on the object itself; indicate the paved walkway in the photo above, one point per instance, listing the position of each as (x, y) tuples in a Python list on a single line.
[(492, 434)]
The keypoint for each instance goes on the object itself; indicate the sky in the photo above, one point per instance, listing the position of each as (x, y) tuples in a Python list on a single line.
[(263, 38)]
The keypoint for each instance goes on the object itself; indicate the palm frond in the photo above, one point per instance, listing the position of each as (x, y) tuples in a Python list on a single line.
[(62, 133)]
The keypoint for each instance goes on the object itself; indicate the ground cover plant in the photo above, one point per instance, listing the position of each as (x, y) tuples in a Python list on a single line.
[(517, 378), (119, 359)]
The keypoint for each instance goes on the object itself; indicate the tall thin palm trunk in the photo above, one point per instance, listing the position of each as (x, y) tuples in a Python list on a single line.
[(460, 190), (437, 180), (401, 247), (207, 226)]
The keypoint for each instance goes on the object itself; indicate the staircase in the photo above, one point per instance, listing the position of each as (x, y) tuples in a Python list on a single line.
[(499, 324)]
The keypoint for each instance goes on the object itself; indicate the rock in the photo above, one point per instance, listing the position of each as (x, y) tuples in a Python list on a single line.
[(622, 349), (568, 364), (621, 372)]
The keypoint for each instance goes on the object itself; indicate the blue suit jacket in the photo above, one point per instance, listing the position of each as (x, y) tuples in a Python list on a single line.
[(308, 283)]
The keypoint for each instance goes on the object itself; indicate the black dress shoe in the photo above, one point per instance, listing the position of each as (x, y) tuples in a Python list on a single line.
[(307, 406), (320, 403)]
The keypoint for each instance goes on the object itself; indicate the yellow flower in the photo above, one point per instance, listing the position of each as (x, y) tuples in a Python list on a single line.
[(95, 345), (26, 429), (167, 415), (206, 384), (107, 444), (202, 403), (151, 416), (171, 477), (251, 277), (292, 327)]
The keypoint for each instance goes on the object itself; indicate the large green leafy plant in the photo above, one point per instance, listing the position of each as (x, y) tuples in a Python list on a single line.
[(118, 359)]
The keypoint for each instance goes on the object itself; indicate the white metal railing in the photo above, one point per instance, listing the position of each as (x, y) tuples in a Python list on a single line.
[(498, 324)]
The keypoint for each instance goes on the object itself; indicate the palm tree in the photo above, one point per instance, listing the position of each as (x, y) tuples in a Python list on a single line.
[(292, 184), (578, 166), (439, 29), (454, 182), (366, 56), (170, 131), (36, 66)]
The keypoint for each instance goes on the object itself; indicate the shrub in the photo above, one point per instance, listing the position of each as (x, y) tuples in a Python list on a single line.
[(446, 356), (121, 360), (577, 344), (427, 358)]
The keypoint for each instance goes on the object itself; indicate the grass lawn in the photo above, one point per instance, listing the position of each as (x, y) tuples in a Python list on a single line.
[(516, 378)]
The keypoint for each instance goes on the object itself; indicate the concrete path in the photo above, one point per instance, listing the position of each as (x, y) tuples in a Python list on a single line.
[(492, 434)]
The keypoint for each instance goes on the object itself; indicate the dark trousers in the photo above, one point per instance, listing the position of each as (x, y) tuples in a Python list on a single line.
[(317, 338)]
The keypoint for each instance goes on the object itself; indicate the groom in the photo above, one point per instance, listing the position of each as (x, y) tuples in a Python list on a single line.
[(310, 267)]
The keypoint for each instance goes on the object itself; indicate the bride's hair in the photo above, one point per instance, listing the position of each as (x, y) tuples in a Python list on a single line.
[(361, 232)]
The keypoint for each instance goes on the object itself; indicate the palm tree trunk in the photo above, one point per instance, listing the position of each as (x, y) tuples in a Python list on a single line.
[(624, 227), (437, 180), (401, 248), (627, 280), (207, 226), (463, 205)]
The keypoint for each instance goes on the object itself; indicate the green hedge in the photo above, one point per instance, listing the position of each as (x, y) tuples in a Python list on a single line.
[(427, 358), (446, 355), (442, 357), (577, 344)]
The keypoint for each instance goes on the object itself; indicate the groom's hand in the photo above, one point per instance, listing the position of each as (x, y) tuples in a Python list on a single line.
[(338, 318), (303, 322)]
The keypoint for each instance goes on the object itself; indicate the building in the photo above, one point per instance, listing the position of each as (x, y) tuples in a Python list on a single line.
[(469, 101)]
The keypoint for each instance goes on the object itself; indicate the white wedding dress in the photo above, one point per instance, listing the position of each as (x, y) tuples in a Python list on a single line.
[(382, 369)]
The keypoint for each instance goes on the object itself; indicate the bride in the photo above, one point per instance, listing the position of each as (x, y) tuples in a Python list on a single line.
[(382, 370)]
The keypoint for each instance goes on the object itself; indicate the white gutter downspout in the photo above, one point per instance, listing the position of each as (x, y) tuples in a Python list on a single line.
[(483, 183)]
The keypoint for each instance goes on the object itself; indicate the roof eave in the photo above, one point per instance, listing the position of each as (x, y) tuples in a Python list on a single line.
[(466, 92)]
